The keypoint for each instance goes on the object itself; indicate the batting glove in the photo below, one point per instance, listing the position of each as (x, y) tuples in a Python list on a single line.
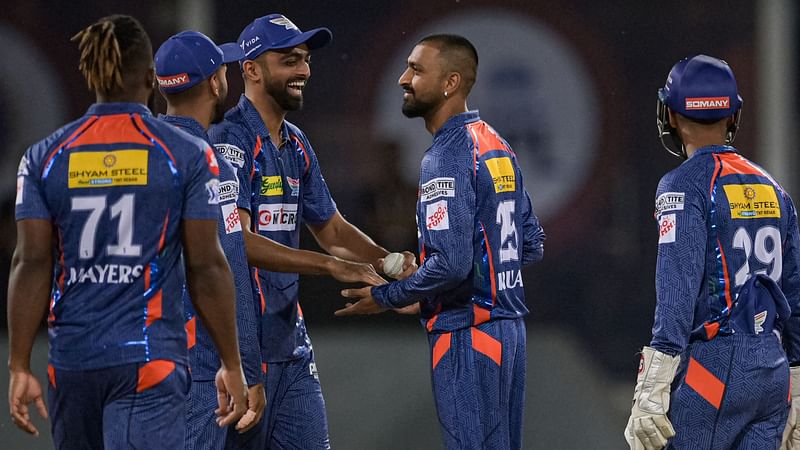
[(791, 434)]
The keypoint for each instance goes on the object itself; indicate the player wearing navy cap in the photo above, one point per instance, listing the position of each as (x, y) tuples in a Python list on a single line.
[(476, 230), (105, 207), (716, 373), (280, 177), (191, 73)]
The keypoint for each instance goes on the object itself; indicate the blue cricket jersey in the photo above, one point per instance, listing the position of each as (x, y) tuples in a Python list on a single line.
[(203, 356), (476, 227), (117, 185), (285, 188), (721, 219)]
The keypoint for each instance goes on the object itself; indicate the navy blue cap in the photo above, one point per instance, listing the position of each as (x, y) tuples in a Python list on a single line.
[(275, 31), (190, 57), (701, 87)]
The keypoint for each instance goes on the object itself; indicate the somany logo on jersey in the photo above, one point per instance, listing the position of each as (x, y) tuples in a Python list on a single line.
[(103, 169), (277, 217), (752, 201), (708, 103)]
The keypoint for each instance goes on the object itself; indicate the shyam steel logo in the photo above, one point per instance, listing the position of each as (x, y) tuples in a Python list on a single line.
[(752, 201), (104, 169)]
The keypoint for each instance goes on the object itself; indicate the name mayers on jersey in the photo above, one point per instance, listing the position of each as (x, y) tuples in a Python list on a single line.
[(105, 274)]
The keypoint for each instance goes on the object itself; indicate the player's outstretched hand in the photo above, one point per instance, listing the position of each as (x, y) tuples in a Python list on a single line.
[(24, 389), (365, 304), (353, 272), (231, 395), (791, 433), (256, 402)]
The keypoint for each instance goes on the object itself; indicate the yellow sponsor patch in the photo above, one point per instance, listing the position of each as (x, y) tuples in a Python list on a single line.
[(104, 169), (752, 201), (502, 174), (272, 185)]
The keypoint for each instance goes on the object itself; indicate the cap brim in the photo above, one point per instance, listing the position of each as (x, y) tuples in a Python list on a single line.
[(314, 39), (231, 52)]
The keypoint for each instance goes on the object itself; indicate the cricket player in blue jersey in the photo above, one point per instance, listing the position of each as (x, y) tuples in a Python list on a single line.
[(280, 178), (716, 373), (105, 207), (477, 229), (191, 73)]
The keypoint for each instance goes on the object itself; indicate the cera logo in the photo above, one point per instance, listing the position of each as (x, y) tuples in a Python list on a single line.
[(173, 80), (708, 103), (277, 217)]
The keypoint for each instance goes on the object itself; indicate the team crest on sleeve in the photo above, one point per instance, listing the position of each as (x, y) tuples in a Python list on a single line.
[(667, 227), (669, 201), (230, 215), (231, 153), (436, 217), (212, 187), (438, 187)]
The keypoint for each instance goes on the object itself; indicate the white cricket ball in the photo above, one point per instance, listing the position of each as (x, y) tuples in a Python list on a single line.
[(393, 264)]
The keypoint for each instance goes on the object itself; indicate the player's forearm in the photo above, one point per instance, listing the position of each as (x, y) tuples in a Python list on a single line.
[(28, 298), (269, 255), (342, 239), (211, 289), (435, 276)]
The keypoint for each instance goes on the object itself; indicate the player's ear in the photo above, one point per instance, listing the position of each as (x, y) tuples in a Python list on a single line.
[(452, 82), (251, 70), (214, 84), (150, 78)]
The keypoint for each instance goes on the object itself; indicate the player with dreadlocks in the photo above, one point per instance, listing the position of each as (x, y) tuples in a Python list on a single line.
[(105, 207)]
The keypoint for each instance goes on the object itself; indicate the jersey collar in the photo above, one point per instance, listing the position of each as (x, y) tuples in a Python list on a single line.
[(106, 109), (713, 149), (189, 124), (457, 121), (252, 117)]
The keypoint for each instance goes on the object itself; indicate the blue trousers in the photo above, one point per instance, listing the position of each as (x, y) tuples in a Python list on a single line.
[(731, 393), (295, 414), (478, 376), (136, 406)]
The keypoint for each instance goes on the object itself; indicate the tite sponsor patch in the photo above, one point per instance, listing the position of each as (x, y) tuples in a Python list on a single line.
[(104, 169), (230, 216), (503, 175), (752, 201), (271, 185), (694, 103), (231, 153), (669, 201), (277, 217), (667, 227), (436, 217), (228, 190), (437, 187)]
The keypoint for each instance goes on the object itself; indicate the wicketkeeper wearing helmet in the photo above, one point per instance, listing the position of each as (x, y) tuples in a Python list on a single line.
[(716, 373)]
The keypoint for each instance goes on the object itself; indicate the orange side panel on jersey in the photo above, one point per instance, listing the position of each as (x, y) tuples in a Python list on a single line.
[(733, 163), (113, 129), (711, 330), (138, 119), (717, 164), (728, 300), (163, 238), (153, 308), (441, 347), (256, 151), (305, 153), (486, 344), (191, 332), (299, 310), (485, 138), (51, 375), (704, 383), (481, 315), (153, 373), (492, 275), (264, 368)]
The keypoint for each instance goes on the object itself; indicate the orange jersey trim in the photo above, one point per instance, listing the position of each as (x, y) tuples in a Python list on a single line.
[(705, 383), (112, 129), (51, 375), (191, 332), (486, 344), (441, 347), (154, 372), (481, 315)]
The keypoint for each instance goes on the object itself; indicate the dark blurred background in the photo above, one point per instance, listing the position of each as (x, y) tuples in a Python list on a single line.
[(570, 83)]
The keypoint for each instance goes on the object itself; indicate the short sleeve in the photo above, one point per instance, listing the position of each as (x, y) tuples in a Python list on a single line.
[(30, 202)]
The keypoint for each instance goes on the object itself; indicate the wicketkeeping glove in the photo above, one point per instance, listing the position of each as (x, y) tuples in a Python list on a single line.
[(648, 427), (791, 434)]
